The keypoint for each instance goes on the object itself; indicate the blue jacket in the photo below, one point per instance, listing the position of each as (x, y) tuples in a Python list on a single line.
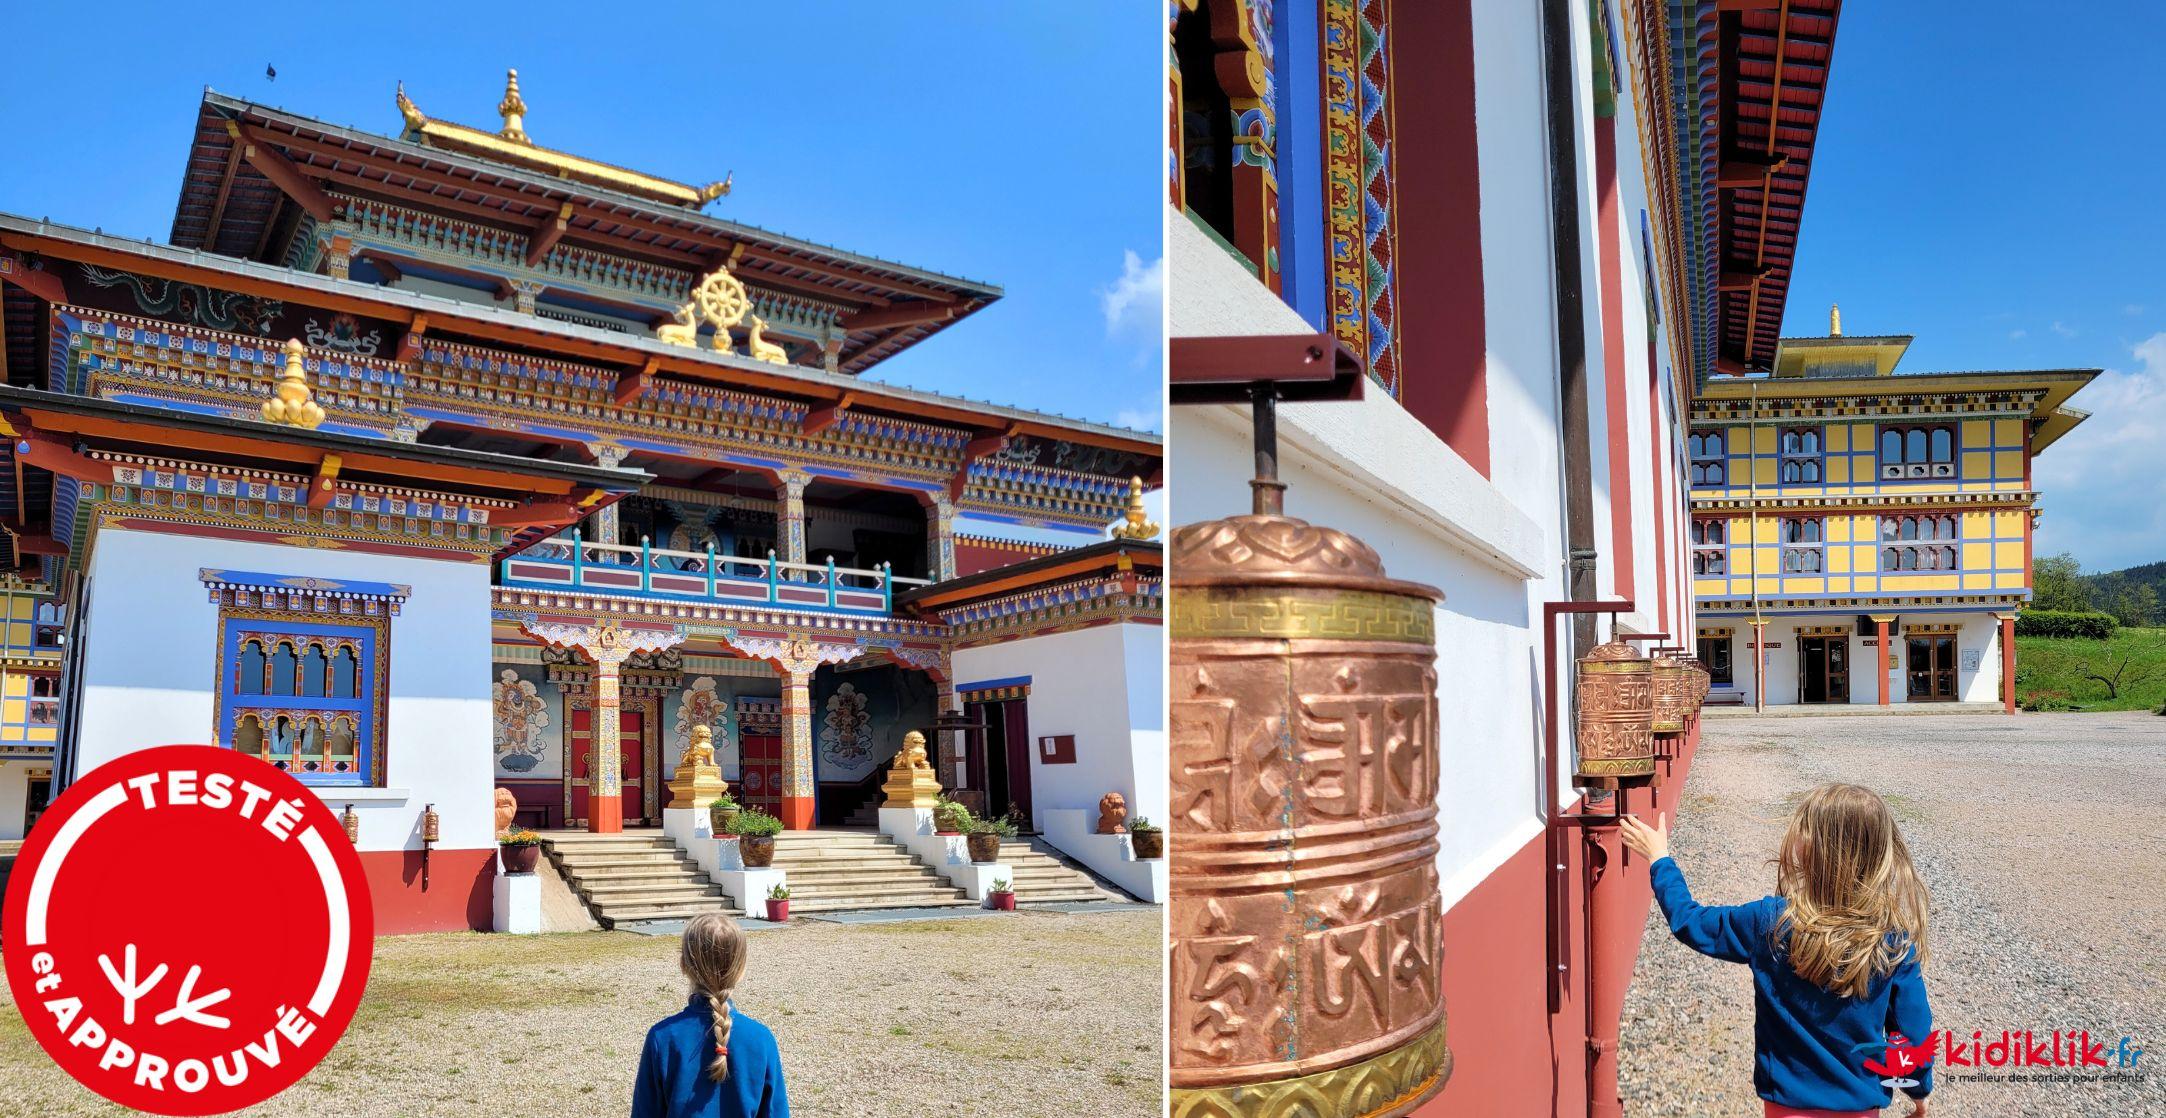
[(1809, 1045), (673, 1079)]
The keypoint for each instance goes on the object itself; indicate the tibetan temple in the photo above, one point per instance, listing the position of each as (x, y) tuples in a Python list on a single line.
[(430, 464)]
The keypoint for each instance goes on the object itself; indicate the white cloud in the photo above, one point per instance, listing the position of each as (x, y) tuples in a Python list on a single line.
[(1138, 419), (2018, 335), (2063, 329), (2102, 485), (1133, 303)]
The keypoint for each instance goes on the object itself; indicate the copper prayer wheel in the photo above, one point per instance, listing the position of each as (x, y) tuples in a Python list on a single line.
[(1616, 714), (1675, 684), (1305, 931)]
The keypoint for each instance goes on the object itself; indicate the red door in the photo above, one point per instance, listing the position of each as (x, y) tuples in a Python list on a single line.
[(631, 746), (759, 782)]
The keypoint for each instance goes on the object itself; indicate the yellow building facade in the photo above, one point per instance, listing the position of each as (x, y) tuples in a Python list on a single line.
[(1861, 534), (30, 649)]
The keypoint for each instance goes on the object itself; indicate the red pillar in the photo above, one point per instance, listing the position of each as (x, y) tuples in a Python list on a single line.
[(1881, 623), (2008, 662)]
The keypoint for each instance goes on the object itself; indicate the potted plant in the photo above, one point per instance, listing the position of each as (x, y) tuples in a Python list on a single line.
[(1002, 895), (1147, 840), (721, 814), (985, 836), (949, 817), (756, 831), (778, 903), (520, 850)]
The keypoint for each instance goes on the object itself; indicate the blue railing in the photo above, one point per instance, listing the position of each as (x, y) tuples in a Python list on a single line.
[(646, 571)]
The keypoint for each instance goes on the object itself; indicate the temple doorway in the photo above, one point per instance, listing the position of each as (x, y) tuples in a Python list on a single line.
[(633, 747), (1931, 668), (1824, 669), (1000, 768)]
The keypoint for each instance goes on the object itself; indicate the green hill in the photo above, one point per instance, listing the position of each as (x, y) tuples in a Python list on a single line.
[(2070, 674)]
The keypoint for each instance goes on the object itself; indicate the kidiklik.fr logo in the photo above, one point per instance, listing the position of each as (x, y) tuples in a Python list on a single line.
[(1901, 1062)]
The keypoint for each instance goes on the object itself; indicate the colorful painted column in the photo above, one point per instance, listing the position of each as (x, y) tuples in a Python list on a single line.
[(1881, 622), (797, 787), (2008, 661), (940, 539), (790, 516), (608, 645)]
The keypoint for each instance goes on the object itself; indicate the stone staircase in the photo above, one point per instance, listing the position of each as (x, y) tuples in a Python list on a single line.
[(1043, 874), (633, 875), (840, 871)]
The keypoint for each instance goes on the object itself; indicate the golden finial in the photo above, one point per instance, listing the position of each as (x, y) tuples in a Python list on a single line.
[(415, 118), (1835, 320), (290, 403), (714, 190), (1135, 524), (513, 109)]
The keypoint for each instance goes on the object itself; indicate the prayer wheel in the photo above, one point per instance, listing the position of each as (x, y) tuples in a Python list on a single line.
[(1305, 937), (1675, 686), (1616, 715)]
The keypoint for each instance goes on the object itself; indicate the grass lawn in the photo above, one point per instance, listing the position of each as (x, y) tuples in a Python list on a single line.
[(2055, 673), (1035, 1014)]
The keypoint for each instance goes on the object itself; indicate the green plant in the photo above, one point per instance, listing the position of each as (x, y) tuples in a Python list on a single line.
[(1139, 823), (756, 824), (2064, 623), (1003, 827), (951, 816), (724, 804), (779, 893), (1000, 885), (519, 838)]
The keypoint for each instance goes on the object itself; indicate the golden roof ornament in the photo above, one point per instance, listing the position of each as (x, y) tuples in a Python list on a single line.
[(1835, 320), (513, 109), (412, 113), (719, 301), (1135, 524), (291, 402), (716, 189)]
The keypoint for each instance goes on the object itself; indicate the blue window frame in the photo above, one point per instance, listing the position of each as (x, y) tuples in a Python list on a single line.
[(304, 695)]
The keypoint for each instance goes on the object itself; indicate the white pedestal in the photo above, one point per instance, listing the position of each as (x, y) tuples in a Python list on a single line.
[(1113, 857), (518, 905), (948, 855), (748, 888)]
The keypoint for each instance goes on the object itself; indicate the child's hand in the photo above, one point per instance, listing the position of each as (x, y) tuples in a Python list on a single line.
[(1652, 842)]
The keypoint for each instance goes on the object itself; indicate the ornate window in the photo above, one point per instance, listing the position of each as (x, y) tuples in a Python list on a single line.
[(1801, 457), (1917, 452), (1715, 657), (1709, 466), (1919, 543), (1709, 541), (1801, 547), (303, 673)]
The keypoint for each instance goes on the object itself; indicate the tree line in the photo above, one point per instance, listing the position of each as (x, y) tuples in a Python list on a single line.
[(2131, 596)]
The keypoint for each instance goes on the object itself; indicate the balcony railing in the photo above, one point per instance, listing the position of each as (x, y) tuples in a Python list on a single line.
[(645, 571)]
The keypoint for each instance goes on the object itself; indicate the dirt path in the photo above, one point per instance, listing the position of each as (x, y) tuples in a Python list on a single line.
[(2049, 898)]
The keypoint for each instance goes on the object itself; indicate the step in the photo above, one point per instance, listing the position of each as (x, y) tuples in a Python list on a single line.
[(915, 880), (688, 888), (656, 859), (632, 873), (863, 903), (663, 912)]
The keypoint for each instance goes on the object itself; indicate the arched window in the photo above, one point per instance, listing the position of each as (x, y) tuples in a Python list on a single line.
[(248, 735), (1887, 558), (345, 674), (1943, 445), (1910, 559), (1891, 446), (1947, 558), (315, 672), (1708, 464), (285, 669), (339, 749), (1708, 538), (250, 667)]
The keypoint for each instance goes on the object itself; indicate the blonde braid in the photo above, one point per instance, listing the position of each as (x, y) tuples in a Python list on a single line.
[(718, 1069), (712, 957)]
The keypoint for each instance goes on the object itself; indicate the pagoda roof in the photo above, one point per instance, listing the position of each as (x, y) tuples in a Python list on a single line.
[(1103, 557), (631, 355), (249, 162), (2050, 414)]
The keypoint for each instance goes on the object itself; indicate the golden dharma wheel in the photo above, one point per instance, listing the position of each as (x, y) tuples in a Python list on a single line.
[(1305, 926), (1616, 714), (1675, 687)]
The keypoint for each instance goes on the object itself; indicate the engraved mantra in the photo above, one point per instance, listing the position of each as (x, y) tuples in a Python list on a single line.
[(1304, 614)]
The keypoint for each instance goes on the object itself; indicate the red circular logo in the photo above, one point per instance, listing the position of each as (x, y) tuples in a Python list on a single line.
[(187, 930)]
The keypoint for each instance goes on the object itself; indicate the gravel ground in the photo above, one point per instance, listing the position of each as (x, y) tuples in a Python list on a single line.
[(1037, 1014), (2047, 902)]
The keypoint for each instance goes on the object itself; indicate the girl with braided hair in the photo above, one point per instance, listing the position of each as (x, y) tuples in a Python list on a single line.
[(708, 1059)]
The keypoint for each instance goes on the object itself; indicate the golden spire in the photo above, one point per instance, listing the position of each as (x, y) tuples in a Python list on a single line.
[(290, 402), (513, 109), (415, 118), (1835, 320), (1136, 525)]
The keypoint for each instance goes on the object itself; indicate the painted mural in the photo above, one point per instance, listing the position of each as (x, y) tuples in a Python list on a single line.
[(846, 730), (704, 703), (860, 716), (528, 743)]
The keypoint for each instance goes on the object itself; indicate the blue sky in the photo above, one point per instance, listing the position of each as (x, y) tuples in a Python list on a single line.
[(1988, 178), (1012, 143)]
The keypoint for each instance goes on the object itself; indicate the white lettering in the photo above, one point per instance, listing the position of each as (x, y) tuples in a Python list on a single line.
[(218, 791), (142, 784), (180, 787), (281, 818), (117, 1055), (233, 1078), (64, 1011), (41, 963), (89, 1034), (191, 1076), (150, 1072), (268, 1050), (296, 1027), (250, 797)]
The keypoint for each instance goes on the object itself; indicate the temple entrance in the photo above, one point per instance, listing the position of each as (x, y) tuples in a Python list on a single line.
[(632, 750), (1000, 766), (1930, 668), (1823, 669), (38, 796), (759, 787)]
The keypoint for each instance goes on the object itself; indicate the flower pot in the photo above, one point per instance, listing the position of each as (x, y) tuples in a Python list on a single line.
[(758, 850), (984, 847), (778, 911), (1148, 844), (519, 859), (1004, 902), (721, 821)]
